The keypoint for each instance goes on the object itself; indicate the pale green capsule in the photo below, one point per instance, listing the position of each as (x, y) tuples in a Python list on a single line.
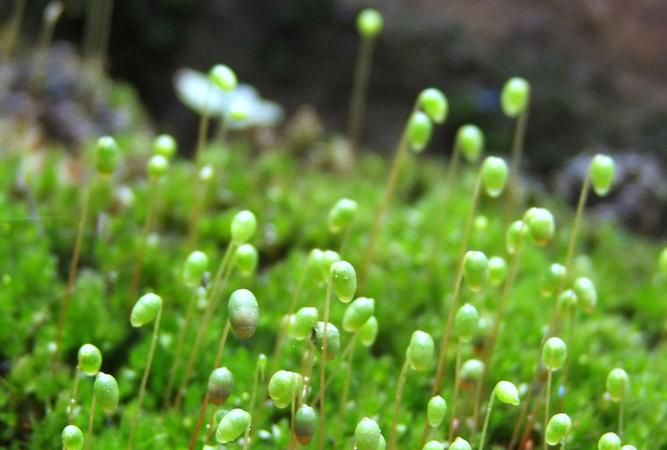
[(436, 410), (244, 225), (106, 393), (333, 339), (368, 332), (146, 309), (194, 268), (358, 313), (475, 270), (232, 425), (367, 435), (541, 225), (302, 324), (515, 96), (246, 258), (460, 444), (470, 142), (220, 385), (617, 384), (223, 77), (433, 445), (420, 352), (554, 353), (602, 171), (157, 167), (243, 312), (107, 155), (587, 295), (369, 23), (343, 280), (494, 174), (472, 370), (514, 236), (305, 424), (342, 215), (434, 103), (419, 131), (497, 270), (552, 279), (72, 437), (283, 385), (558, 428), (466, 322), (165, 145), (609, 441), (507, 393), (89, 359)]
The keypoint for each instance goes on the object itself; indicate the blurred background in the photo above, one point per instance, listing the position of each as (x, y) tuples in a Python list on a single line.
[(598, 70)]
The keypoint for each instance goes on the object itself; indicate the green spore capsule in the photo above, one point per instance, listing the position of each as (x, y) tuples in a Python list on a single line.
[(470, 142), (567, 301), (383, 443), (507, 393), (587, 295), (165, 145), (302, 324), (434, 103), (369, 23), (433, 445), (515, 97), (194, 268), (460, 444), (420, 352), (333, 339), (475, 270), (628, 447), (558, 428), (232, 425), (106, 155), (246, 258), (367, 434), (368, 332), (480, 224), (472, 370), (244, 225), (243, 313), (157, 167), (342, 215), (327, 259), (436, 410), (145, 310), (419, 131), (552, 279), (617, 384), (494, 175), (515, 234), (105, 390), (72, 437), (497, 270), (541, 225), (220, 385), (89, 359), (358, 313), (662, 262), (305, 424), (609, 441), (602, 171), (554, 353), (466, 322), (282, 387), (343, 280), (223, 77)]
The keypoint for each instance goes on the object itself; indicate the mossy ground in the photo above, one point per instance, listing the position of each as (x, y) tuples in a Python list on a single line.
[(291, 196)]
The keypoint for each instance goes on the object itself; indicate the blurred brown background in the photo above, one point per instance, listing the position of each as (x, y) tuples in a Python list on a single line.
[(598, 68)]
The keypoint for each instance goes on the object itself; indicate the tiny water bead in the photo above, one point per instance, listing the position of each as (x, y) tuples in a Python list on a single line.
[(369, 23)]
